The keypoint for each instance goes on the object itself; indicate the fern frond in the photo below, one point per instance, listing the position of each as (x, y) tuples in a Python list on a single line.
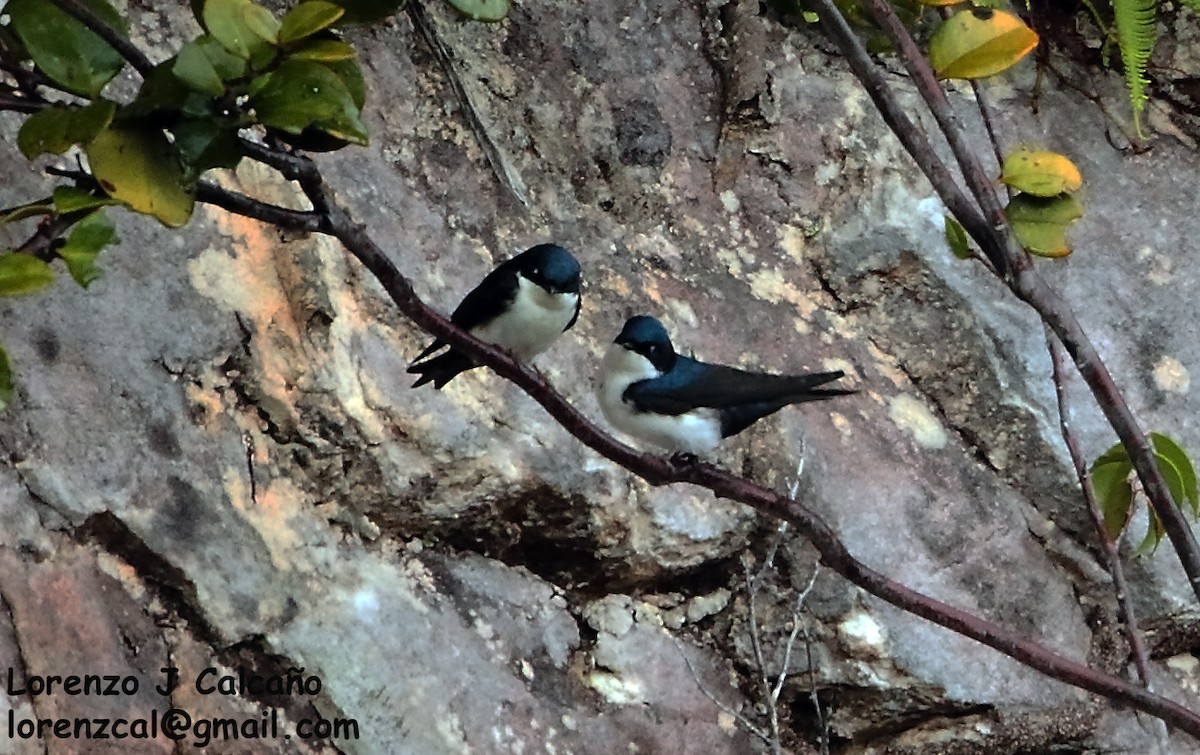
[(1136, 35), (1193, 4)]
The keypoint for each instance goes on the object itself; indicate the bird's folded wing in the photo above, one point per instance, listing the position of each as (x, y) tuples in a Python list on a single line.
[(693, 385), (491, 297)]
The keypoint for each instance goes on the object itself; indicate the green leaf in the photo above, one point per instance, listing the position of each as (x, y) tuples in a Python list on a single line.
[(162, 97), (1113, 455), (72, 199), (1114, 495), (88, 238), (195, 70), (302, 94), (368, 11), (351, 75), (55, 129), (306, 19), (22, 274), (72, 55), (1170, 474), (1168, 449), (956, 237), (243, 27), (1154, 536), (8, 388), (323, 51), (483, 10), (139, 167), (1041, 224), (203, 144)]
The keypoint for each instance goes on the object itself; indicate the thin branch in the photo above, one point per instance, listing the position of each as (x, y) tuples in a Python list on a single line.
[(749, 725), (657, 470), (980, 185), (1005, 254), (913, 138), (28, 81), (240, 204), (985, 112), (101, 28), (17, 104), (764, 680), (1109, 546), (822, 724), (1137, 645), (791, 640)]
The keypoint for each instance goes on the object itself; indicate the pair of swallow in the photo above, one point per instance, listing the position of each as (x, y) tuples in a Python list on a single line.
[(646, 389)]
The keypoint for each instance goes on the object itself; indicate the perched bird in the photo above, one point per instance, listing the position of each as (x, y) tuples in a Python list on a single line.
[(522, 306), (685, 405)]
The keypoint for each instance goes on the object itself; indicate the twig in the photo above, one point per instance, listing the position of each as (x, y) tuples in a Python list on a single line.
[(791, 640), (240, 204), (1137, 645), (101, 28), (1115, 568), (18, 104), (749, 725), (1006, 255), (822, 724), (764, 681), (931, 91), (28, 81), (504, 173), (913, 139)]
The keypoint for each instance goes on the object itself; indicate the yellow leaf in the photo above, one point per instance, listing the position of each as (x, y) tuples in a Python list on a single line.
[(139, 167), (1043, 174), (940, 2), (979, 42)]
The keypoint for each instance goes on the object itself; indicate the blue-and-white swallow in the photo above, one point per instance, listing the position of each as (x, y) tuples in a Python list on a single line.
[(522, 306), (687, 406)]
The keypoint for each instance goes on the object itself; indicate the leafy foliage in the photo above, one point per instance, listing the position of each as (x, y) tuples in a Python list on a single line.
[(85, 243), (1115, 493), (68, 52), (1136, 35), (288, 77), (1042, 210), (23, 273)]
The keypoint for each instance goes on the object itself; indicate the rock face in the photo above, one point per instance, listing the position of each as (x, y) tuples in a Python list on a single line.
[(215, 461)]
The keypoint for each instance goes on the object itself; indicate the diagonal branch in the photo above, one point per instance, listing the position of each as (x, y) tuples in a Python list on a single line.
[(329, 217), (1004, 253), (1137, 645), (913, 138), (659, 471)]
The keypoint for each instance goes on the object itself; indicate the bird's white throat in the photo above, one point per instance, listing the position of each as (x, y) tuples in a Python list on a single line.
[(533, 321)]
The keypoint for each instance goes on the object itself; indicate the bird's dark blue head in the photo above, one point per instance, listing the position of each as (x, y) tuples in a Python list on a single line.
[(551, 267), (644, 335)]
